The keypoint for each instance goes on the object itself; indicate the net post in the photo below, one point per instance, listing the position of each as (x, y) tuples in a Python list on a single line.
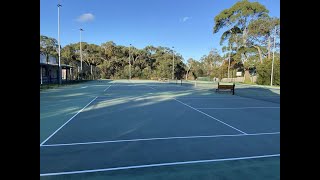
[(233, 88)]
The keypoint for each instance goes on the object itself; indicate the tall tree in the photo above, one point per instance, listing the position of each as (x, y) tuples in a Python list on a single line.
[(261, 33), (48, 46), (189, 66), (237, 19), (68, 54), (109, 49)]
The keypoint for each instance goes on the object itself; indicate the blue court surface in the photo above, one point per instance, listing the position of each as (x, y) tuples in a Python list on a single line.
[(120, 125)]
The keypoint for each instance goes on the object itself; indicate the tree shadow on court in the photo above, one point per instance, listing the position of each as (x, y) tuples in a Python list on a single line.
[(264, 94), (125, 97), (130, 113), (57, 108)]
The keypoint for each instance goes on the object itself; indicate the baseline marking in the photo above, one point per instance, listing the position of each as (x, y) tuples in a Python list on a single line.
[(244, 108), (160, 164), (153, 139)]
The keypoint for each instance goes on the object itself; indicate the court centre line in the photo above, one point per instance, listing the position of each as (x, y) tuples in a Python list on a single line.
[(107, 88), (67, 122), (244, 108), (209, 116), (151, 87), (158, 165), (153, 139)]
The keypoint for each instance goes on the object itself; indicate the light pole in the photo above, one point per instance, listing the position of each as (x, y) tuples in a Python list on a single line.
[(172, 63), (229, 62), (80, 54), (229, 55), (81, 49), (59, 75), (129, 64), (274, 46)]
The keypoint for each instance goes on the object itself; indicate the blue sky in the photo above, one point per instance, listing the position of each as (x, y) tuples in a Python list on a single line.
[(185, 24)]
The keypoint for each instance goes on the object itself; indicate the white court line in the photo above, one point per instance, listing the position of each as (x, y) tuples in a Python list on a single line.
[(107, 88), (209, 116), (128, 97), (243, 108), (261, 96), (211, 98), (151, 87), (153, 139), (160, 164), (67, 122)]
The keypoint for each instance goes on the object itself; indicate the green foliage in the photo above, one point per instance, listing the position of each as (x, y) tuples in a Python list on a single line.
[(264, 72), (179, 70), (239, 15), (48, 46), (146, 73), (237, 20), (261, 33), (247, 81), (112, 61), (248, 36), (210, 62)]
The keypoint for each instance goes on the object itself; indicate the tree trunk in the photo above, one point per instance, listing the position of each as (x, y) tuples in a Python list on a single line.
[(246, 75), (47, 57), (237, 42), (269, 47), (259, 50), (244, 38)]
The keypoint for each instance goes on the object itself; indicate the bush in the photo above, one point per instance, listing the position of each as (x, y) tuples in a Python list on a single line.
[(264, 72)]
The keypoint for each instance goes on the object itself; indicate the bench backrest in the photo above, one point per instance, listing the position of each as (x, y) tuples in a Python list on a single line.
[(225, 86)]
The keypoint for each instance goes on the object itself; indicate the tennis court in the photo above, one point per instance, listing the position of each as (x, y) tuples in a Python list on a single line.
[(122, 125)]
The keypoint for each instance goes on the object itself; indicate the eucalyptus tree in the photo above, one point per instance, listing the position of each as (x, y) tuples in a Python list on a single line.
[(48, 47), (108, 50), (189, 66), (211, 61), (261, 32), (237, 19)]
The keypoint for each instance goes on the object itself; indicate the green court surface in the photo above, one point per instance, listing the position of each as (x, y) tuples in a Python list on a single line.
[(138, 129)]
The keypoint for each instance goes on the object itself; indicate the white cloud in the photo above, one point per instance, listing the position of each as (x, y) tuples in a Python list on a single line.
[(184, 19), (86, 17)]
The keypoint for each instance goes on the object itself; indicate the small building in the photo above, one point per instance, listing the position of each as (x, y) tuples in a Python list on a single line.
[(49, 70)]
